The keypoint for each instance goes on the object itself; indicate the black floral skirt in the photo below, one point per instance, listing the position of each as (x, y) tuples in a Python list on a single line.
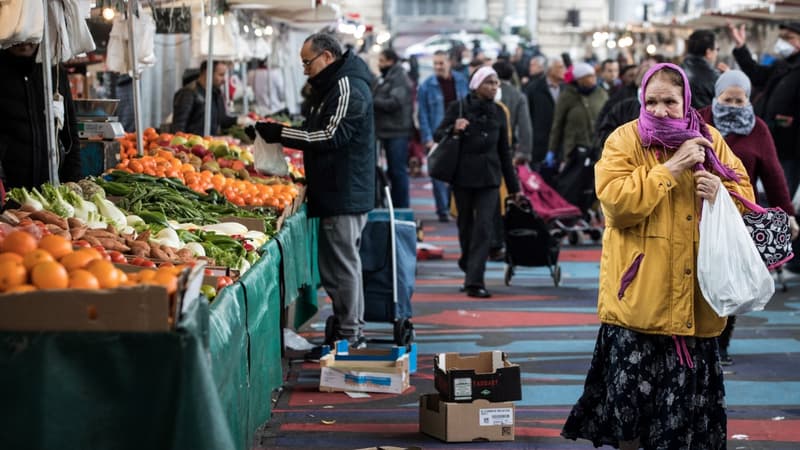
[(666, 391)]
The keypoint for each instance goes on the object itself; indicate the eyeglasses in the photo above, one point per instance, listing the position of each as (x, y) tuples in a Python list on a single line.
[(308, 62)]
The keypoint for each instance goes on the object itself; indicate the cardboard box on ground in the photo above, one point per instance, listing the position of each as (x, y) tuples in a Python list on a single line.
[(385, 371), (487, 376), (466, 422)]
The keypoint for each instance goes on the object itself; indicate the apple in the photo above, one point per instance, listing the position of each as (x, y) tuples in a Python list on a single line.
[(199, 150), (178, 140), (196, 140)]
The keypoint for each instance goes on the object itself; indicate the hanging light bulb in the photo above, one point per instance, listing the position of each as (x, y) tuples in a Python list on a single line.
[(268, 30), (109, 13)]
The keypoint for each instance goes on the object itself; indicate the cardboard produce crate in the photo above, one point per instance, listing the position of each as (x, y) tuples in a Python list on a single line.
[(365, 371), (143, 308), (465, 422), (487, 375)]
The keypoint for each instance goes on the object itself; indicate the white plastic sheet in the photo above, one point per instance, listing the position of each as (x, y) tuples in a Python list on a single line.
[(732, 276)]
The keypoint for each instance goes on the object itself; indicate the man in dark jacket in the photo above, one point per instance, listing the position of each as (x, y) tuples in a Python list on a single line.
[(23, 127), (779, 86), (542, 95), (699, 64), (338, 143), (393, 102), (189, 103)]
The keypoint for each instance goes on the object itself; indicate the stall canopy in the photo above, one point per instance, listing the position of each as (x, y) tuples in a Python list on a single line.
[(773, 11)]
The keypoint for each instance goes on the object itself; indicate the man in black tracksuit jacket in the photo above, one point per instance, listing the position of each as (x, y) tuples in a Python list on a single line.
[(23, 134), (338, 143)]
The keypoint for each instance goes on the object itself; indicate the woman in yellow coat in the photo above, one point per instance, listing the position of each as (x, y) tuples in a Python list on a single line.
[(655, 379)]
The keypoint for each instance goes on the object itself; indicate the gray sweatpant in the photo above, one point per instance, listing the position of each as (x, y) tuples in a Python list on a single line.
[(340, 269)]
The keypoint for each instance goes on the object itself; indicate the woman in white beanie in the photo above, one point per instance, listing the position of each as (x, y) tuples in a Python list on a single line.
[(485, 157), (572, 134), (748, 136)]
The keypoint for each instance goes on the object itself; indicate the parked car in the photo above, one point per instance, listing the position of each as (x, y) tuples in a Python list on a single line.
[(445, 42)]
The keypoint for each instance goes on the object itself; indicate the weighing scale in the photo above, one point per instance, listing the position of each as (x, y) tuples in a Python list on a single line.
[(98, 130)]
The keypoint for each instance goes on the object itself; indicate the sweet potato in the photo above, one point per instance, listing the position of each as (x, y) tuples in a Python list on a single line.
[(113, 244), (102, 234), (143, 252), (156, 252), (93, 241), (50, 218), (78, 232), (144, 236), (184, 255), (170, 252)]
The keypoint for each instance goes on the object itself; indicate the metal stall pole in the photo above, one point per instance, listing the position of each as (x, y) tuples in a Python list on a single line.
[(209, 71), (50, 122), (137, 120)]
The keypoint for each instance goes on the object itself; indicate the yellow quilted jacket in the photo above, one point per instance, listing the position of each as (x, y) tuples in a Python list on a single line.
[(651, 238)]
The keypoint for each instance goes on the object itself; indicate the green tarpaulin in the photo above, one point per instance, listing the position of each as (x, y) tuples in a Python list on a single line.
[(111, 391)]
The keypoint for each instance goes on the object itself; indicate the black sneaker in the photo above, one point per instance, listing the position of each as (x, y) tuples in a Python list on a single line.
[(725, 358), (358, 342), (444, 218), (314, 354)]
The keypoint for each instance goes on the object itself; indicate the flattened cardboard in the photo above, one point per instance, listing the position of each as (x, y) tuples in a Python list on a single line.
[(384, 377), (487, 375), (466, 422)]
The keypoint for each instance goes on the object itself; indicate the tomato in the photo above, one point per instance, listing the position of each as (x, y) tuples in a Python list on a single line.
[(117, 257), (102, 250), (223, 281), (81, 243), (143, 262)]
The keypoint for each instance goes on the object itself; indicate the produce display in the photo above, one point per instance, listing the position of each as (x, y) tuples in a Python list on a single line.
[(188, 199)]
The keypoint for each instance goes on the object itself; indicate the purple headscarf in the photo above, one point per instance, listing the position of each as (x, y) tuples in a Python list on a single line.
[(671, 133)]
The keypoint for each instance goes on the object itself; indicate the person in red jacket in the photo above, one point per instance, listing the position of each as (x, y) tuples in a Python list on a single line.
[(748, 136)]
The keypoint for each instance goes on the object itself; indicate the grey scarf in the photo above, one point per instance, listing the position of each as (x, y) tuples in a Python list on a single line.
[(733, 119)]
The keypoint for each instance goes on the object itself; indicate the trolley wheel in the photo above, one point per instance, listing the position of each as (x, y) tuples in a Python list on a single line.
[(403, 332), (573, 237), (508, 273), (557, 275), (595, 234), (331, 330)]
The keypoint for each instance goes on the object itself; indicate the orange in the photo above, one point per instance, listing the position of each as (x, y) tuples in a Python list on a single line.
[(8, 256), (145, 275), (166, 279), (80, 259), (12, 274), (35, 257), (56, 245), (49, 275), (18, 242), (21, 288), (107, 275), (83, 279)]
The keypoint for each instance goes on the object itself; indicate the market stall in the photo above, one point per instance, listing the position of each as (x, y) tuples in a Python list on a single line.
[(123, 340)]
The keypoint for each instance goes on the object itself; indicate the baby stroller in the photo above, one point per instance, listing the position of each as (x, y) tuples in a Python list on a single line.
[(565, 218), (534, 227)]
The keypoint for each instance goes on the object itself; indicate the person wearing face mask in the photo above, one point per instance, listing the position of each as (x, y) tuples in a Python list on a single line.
[(484, 157), (393, 102), (748, 136), (655, 380), (779, 93), (572, 135)]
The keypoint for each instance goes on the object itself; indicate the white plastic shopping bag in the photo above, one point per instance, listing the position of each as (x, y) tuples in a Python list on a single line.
[(732, 276), (268, 158)]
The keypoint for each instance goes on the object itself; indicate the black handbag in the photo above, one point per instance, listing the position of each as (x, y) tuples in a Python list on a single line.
[(443, 157), (769, 228)]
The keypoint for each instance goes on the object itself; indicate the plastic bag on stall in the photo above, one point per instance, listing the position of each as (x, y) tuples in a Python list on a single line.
[(20, 21), (731, 274), (117, 53), (268, 158), (80, 38)]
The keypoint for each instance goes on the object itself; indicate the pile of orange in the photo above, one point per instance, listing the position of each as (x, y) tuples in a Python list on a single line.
[(150, 141), (52, 263), (163, 163)]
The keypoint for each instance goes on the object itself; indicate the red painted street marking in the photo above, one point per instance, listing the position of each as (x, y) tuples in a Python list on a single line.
[(502, 319)]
